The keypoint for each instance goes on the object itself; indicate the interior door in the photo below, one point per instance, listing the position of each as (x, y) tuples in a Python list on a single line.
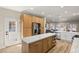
[(10, 31)]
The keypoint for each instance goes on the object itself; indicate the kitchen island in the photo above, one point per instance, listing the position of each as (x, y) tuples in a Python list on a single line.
[(38, 43)]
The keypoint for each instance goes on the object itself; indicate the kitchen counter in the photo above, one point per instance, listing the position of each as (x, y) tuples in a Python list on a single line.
[(75, 46), (35, 38), (66, 35)]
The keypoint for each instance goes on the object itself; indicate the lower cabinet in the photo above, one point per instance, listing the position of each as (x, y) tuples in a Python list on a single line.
[(45, 45), (40, 46), (50, 42), (35, 47)]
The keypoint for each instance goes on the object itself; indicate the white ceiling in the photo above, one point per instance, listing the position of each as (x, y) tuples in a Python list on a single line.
[(52, 13)]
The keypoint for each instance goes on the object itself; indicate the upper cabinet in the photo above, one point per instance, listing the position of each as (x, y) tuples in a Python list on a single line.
[(42, 22), (27, 21), (36, 19)]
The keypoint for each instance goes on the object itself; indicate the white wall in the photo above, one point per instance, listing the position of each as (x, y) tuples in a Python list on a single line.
[(12, 14), (1, 32)]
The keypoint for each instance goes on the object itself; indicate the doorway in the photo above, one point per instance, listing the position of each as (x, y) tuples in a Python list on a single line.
[(11, 32)]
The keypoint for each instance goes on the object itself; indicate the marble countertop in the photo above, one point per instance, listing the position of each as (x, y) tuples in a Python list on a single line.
[(67, 35), (37, 37), (67, 32), (75, 46)]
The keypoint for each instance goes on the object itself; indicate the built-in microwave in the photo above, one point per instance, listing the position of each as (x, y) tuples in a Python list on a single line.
[(35, 28)]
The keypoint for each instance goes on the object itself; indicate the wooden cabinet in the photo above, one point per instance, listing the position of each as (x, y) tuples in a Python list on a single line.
[(27, 21), (27, 32), (33, 20), (26, 24), (45, 45), (50, 42), (42, 22), (42, 30), (35, 47), (53, 41), (40, 46), (36, 19), (42, 25)]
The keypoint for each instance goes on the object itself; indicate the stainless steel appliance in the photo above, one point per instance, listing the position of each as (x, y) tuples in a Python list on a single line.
[(35, 28)]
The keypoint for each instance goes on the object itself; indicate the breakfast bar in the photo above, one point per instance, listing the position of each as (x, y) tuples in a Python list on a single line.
[(38, 43)]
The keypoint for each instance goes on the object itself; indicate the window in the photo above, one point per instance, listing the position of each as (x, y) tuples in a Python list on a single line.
[(72, 27), (12, 26)]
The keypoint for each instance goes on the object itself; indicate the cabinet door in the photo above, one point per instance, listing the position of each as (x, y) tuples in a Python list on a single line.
[(50, 42), (33, 20), (27, 22), (42, 22), (45, 45), (36, 19), (27, 32), (53, 41), (42, 30), (35, 47)]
